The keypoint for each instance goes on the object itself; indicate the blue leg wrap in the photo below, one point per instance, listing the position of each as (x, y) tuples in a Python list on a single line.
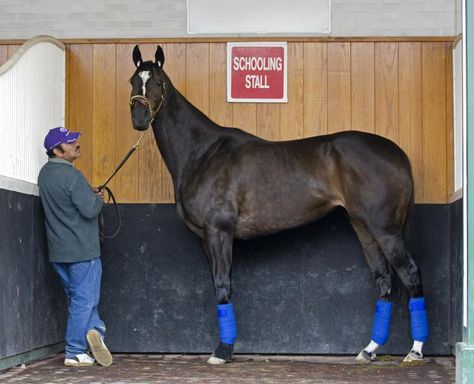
[(227, 323), (419, 319), (381, 329)]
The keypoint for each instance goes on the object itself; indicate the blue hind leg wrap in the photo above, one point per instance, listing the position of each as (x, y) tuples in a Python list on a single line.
[(381, 329), (227, 323), (419, 319)]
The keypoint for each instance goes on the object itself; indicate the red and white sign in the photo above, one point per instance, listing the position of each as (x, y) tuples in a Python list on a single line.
[(257, 72)]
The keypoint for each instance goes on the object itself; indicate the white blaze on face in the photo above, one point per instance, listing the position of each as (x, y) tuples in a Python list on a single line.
[(145, 75)]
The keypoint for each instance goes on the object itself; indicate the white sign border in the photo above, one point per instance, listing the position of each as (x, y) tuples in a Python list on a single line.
[(283, 44)]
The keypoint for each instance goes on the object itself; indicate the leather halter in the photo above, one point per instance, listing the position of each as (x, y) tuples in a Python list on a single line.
[(144, 100)]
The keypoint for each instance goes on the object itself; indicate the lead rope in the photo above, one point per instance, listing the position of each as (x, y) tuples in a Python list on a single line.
[(111, 195)]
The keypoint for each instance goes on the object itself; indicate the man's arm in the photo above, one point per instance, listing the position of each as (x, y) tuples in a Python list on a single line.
[(88, 203)]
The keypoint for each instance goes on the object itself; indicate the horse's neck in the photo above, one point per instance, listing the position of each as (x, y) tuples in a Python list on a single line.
[(183, 134)]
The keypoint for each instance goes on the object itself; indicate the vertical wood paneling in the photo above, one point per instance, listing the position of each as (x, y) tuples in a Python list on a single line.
[(197, 76), (125, 135), (268, 121), (220, 111), (339, 87), (244, 116), (103, 114), (292, 112), (434, 122), (79, 101), (362, 87), (411, 110), (315, 89), (3, 54), (386, 90), (399, 90), (150, 165)]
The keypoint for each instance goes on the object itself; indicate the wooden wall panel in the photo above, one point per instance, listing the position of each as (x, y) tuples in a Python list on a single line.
[(79, 102), (401, 90), (244, 116), (3, 54), (362, 87), (268, 121), (197, 75), (339, 87), (125, 135), (410, 110), (386, 90), (220, 110), (292, 112), (315, 89), (103, 114), (434, 122)]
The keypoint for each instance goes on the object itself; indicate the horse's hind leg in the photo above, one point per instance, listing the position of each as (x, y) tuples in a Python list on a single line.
[(383, 275), (218, 246), (399, 257)]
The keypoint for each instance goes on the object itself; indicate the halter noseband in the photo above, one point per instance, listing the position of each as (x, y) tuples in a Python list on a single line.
[(143, 98)]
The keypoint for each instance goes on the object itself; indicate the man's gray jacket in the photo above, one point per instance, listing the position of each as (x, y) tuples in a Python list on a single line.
[(71, 210)]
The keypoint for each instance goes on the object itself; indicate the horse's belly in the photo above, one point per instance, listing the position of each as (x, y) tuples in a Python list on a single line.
[(269, 219)]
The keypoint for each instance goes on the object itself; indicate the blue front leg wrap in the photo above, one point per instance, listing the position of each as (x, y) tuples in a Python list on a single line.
[(381, 329), (419, 319), (227, 323)]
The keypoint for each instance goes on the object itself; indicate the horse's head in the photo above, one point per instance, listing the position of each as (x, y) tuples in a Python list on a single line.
[(148, 88)]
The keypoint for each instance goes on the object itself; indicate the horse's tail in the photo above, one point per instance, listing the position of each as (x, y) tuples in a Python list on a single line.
[(409, 229)]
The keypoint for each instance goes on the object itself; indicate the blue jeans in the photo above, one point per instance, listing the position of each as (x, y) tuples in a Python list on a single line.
[(81, 282)]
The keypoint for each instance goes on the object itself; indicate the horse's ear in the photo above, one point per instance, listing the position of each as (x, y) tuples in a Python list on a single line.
[(137, 56), (159, 57)]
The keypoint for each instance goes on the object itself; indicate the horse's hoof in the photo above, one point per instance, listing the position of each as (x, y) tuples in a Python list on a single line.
[(215, 361), (365, 357), (413, 357), (222, 354)]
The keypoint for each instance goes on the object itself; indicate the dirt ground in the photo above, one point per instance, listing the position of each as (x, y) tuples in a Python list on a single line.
[(183, 369)]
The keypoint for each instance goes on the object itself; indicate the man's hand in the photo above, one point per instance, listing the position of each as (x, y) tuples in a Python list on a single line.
[(99, 193)]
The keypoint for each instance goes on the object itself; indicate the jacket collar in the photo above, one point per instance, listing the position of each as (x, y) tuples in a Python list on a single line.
[(58, 160)]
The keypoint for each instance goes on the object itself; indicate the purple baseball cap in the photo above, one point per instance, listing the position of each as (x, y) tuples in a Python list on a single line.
[(59, 135)]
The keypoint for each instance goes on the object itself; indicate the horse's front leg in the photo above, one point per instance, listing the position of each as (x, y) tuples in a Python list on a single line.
[(218, 246)]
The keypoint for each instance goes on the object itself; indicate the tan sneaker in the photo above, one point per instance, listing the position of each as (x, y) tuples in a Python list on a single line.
[(81, 360), (98, 348)]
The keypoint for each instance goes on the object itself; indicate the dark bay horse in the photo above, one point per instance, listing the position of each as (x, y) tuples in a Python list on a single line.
[(230, 184)]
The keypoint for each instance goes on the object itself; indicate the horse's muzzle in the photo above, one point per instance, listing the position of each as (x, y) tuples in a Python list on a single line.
[(140, 116)]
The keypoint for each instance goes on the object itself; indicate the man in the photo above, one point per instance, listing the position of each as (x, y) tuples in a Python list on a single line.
[(71, 209)]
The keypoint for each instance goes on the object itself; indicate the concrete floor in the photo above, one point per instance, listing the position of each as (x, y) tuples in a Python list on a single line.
[(244, 369)]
